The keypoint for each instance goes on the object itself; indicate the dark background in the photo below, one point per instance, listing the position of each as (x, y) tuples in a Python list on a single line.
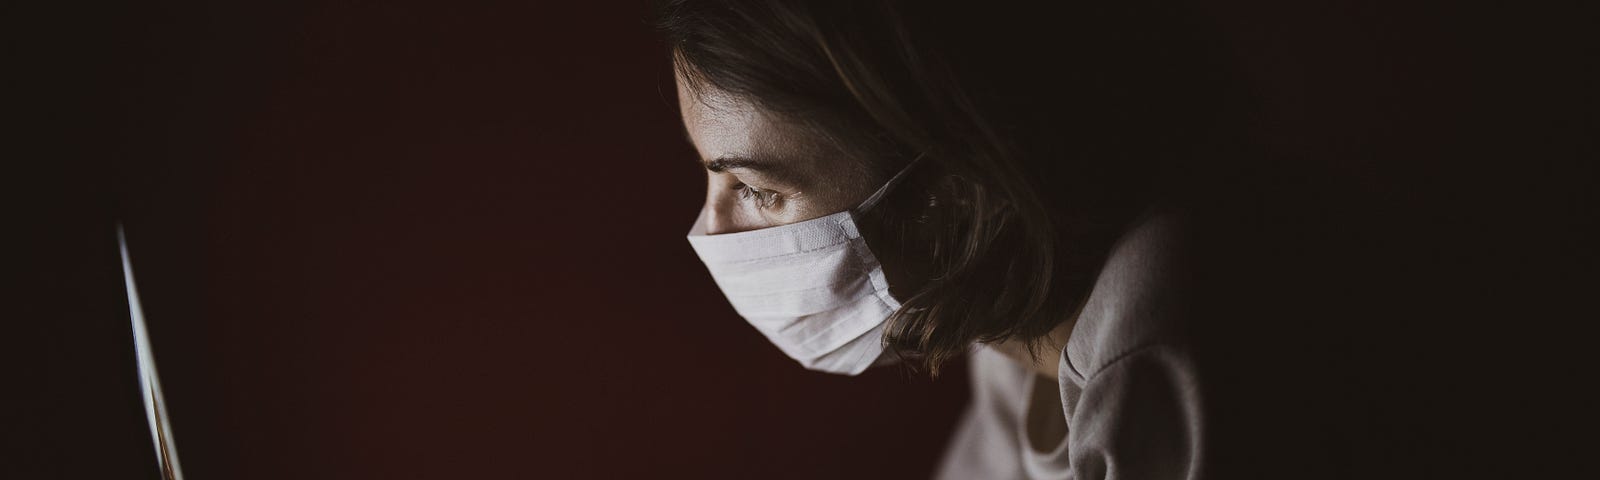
[(419, 240), (416, 239)]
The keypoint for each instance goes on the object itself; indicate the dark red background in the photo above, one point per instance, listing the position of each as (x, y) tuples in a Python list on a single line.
[(445, 240)]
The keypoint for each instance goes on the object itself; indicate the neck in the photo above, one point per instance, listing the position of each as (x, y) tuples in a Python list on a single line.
[(1045, 359)]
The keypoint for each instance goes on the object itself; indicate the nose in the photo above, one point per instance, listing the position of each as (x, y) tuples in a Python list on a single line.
[(722, 214), (718, 220)]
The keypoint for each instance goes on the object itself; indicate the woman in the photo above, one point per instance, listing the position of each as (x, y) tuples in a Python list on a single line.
[(915, 181)]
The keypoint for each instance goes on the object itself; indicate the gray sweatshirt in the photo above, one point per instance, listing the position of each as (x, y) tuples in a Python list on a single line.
[(1127, 395)]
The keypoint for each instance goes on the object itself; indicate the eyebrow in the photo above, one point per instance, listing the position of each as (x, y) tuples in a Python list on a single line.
[(771, 168), (720, 164)]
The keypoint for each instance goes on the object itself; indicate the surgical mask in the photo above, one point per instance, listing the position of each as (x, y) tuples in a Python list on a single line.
[(813, 288)]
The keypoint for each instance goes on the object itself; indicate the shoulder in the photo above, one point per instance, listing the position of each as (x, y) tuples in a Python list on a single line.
[(1138, 299)]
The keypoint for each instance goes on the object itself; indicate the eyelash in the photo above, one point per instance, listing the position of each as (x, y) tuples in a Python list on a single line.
[(763, 198)]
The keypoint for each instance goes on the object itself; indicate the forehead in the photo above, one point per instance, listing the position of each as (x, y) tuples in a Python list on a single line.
[(721, 124)]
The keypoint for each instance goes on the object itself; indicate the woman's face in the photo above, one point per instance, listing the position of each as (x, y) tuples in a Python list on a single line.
[(763, 171)]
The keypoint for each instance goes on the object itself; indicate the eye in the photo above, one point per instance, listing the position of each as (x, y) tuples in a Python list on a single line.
[(762, 198)]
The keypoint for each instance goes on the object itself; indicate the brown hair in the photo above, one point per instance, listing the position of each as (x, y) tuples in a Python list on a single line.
[(1045, 130)]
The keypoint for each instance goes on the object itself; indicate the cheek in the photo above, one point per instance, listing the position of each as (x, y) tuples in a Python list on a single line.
[(841, 183)]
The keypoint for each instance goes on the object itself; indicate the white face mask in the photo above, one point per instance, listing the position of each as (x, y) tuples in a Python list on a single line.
[(813, 287)]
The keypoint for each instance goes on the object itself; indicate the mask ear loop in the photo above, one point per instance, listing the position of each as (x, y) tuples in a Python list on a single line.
[(888, 186)]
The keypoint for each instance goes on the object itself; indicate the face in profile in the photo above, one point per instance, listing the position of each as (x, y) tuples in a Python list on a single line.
[(763, 170), (813, 287)]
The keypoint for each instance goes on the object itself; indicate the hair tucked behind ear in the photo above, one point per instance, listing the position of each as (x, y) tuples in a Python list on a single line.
[(1044, 131)]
